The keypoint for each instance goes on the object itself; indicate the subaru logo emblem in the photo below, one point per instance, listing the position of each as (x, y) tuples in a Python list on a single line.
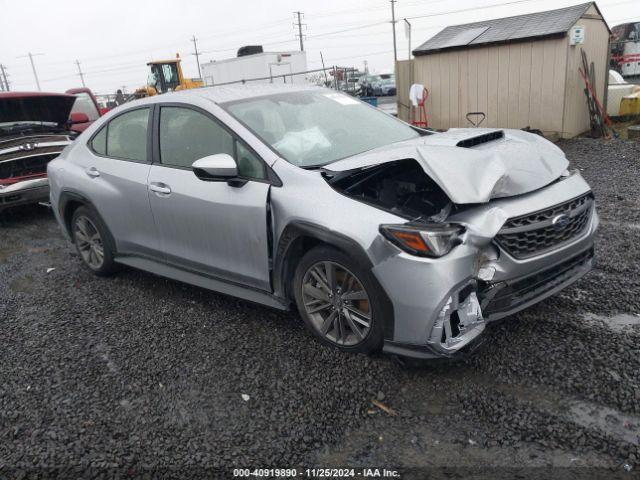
[(27, 147), (560, 222)]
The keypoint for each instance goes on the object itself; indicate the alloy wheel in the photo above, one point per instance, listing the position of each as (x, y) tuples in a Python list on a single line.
[(89, 242), (337, 303)]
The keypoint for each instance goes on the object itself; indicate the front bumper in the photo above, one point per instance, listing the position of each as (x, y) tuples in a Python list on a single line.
[(26, 192), (497, 300), (427, 293)]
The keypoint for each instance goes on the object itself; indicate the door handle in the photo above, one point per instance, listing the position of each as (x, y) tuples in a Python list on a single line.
[(92, 172), (159, 187)]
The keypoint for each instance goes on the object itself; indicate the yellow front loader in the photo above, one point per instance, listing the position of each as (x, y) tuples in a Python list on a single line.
[(166, 76)]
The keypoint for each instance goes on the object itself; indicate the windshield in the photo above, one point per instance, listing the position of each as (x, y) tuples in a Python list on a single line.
[(317, 127), (84, 104)]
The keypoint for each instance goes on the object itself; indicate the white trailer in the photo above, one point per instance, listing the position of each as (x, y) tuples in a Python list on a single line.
[(269, 67)]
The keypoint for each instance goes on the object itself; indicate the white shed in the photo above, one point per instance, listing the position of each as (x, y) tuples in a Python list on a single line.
[(520, 71)]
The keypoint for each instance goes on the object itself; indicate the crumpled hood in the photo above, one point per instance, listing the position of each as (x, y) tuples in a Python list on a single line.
[(518, 163)]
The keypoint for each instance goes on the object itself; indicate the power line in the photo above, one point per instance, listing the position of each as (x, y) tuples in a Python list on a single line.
[(195, 47), (33, 66), (370, 54), (484, 7), (368, 25), (299, 24), (80, 73)]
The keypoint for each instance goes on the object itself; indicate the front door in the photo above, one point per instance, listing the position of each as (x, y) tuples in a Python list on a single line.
[(210, 227)]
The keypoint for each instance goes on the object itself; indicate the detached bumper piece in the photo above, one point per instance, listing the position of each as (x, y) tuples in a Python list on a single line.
[(456, 332), (504, 298)]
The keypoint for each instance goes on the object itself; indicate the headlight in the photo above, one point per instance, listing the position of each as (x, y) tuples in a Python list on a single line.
[(428, 240)]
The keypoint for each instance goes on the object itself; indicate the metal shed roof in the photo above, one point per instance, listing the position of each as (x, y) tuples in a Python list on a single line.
[(499, 30)]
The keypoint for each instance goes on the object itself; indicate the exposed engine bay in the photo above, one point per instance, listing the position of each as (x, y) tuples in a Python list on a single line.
[(401, 187)]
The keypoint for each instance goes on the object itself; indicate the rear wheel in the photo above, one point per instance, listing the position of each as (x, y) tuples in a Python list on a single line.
[(92, 241), (336, 299)]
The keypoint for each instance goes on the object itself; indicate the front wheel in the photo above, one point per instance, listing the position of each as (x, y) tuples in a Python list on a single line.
[(337, 300)]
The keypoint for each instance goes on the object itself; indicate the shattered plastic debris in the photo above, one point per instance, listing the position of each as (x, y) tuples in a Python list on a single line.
[(245, 397), (472, 442), (390, 411), (51, 269), (627, 467)]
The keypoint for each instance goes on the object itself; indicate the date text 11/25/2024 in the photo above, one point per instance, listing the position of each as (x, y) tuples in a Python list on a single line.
[(316, 472)]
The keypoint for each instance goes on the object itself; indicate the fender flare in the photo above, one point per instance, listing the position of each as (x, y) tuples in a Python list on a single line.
[(67, 196), (285, 250)]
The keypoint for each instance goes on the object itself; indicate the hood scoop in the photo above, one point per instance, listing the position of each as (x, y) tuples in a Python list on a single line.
[(484, 138)]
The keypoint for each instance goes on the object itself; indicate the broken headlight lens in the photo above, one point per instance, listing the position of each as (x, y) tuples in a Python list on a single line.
[(425, 240)]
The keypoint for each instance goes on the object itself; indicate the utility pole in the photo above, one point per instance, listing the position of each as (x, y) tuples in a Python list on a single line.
[(393, 24), (299, 24), (324, 70), (197, 54), (80, 73), (3, 80), (33, 66), (407, 32)]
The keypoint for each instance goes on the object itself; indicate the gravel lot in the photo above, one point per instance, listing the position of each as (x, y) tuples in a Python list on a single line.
[(135, 372)]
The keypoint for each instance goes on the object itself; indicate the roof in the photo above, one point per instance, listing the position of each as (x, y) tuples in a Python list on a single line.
[(500, 30), (229, 93)]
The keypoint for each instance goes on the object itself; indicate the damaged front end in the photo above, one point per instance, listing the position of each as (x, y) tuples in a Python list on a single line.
[(458, 263), (400, 187), (404, 189), (23, 167), (33, 131)]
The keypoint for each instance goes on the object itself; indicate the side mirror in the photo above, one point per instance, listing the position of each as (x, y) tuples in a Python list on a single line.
[(220, 167), (78, 117)]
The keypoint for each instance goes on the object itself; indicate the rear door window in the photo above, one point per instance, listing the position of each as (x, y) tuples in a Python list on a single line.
[(127, 136)]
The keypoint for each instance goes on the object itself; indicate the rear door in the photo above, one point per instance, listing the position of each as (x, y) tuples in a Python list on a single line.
[(214, 228), (118, 166)]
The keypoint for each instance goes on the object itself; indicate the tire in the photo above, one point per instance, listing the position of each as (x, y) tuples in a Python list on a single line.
[(89, 234), (353, 299)]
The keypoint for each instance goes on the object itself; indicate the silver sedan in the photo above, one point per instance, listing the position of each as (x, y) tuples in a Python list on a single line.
[(383, 236)]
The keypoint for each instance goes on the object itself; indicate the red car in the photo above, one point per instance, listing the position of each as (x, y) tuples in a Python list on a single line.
[(34, 128)]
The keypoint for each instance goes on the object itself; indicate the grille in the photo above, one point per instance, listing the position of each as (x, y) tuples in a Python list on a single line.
[(37, 151), (515, 293), (16, 142), (538, 232), (25, 167)]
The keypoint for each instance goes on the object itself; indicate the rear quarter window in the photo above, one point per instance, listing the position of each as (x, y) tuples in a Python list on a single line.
[(99, 142)]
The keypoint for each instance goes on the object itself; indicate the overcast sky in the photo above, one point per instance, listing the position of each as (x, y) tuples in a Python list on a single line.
[(114, 39)]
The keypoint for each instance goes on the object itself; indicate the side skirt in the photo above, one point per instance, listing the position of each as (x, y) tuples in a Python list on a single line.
[(217, 285)]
